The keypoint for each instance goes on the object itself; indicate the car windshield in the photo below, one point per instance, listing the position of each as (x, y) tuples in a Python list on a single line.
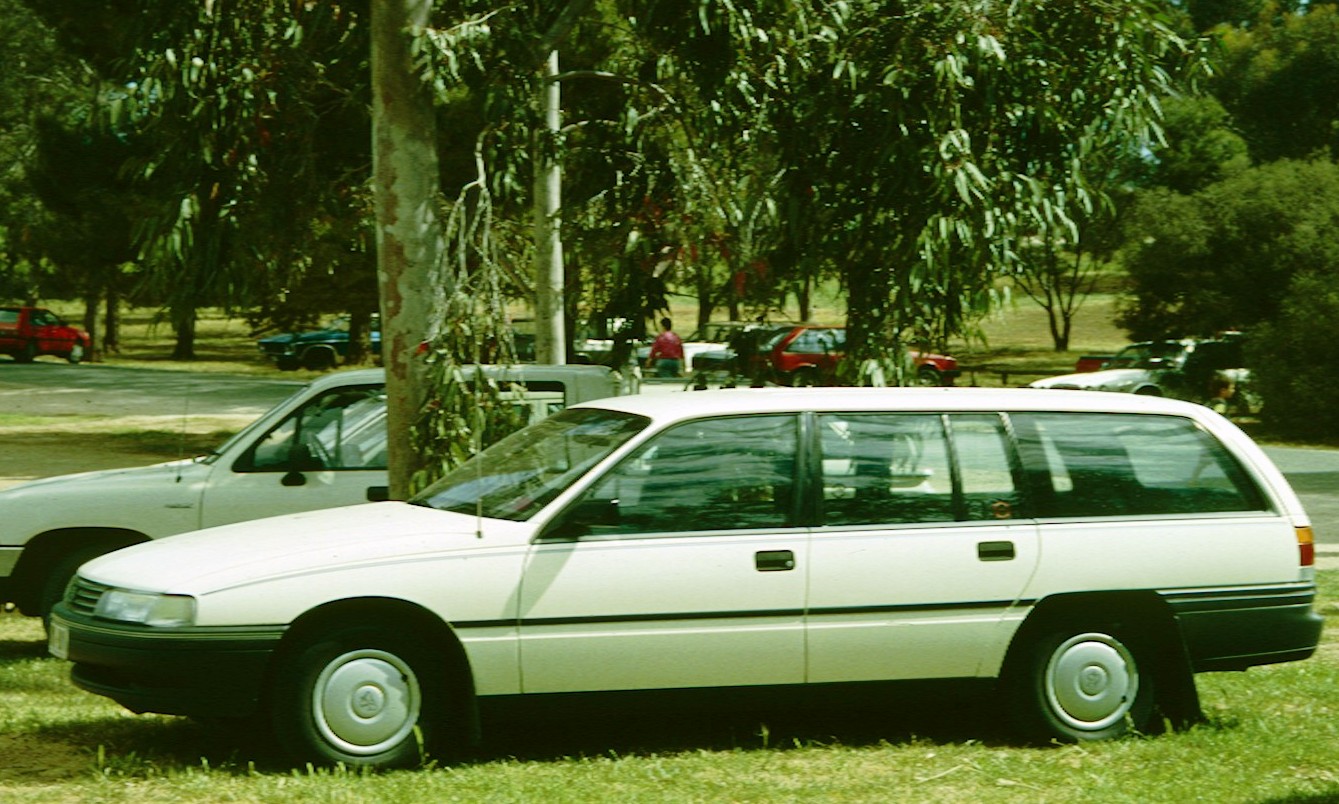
[(1148, 355), (519, 475)]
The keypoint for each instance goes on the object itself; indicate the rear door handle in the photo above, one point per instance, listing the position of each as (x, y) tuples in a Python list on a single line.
[(774, 560), (378, 493), (995, 551)]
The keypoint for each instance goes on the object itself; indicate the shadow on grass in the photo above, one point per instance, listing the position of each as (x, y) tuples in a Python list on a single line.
[(559, 730), (768, 719)]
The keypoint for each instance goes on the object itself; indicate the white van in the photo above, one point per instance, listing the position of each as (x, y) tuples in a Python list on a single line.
[(323, 447), (1086, 552)]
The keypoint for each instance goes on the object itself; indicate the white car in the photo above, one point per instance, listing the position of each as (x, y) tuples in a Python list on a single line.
[(1086, 553), (323, 447), (1181, 369)]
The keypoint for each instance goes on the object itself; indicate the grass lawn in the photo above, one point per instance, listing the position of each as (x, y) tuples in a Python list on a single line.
[(1272, 735)]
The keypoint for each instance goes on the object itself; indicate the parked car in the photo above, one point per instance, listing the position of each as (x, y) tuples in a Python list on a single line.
[(1085, 554), (737, 359), (316, 350), (808, 355), (712, 337), (323, 447), (29, 332), (1182, 369)]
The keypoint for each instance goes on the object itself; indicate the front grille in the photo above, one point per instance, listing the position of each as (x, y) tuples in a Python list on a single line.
[(83, 595)]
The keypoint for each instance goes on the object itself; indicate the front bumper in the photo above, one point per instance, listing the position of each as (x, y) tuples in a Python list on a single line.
[(196, 671)]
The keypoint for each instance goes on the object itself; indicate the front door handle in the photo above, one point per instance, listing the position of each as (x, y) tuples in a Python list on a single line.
[(378, 493), (995, 551), (774, 561)]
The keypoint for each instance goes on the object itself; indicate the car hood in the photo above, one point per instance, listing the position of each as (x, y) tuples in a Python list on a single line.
[(1096, 380), (219, 558), (84, 482)]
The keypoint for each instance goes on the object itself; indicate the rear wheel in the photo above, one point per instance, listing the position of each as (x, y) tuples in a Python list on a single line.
[(28, 354), (1080, 683), (929, 375), (318, 358), (804, 377), (361, 695)]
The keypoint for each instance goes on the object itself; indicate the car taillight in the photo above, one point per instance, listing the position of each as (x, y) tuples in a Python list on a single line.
[(1306, 546)]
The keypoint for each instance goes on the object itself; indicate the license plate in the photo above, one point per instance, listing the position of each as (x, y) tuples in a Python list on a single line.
[(58, 643)]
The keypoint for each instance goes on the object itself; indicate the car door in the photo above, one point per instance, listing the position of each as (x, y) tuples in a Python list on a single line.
[(923, 548), (51, 334), (328, 453), (680, 567)]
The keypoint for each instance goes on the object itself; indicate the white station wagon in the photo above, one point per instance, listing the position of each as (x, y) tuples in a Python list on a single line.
[(1086, 552)]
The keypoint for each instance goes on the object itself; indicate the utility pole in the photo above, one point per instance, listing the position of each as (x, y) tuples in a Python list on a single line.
[(550, 330)]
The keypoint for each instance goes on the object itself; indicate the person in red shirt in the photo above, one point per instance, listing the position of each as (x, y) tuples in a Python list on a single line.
[(666, 352)]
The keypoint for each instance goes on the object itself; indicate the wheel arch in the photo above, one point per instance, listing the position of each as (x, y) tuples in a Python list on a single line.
[(396, 613), (45, 551), (1142, 614)]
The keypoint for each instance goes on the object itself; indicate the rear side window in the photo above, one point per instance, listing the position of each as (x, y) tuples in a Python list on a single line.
[(909, 468), (1111, 464)]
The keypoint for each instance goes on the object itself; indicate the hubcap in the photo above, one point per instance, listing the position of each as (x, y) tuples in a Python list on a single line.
[(1091, 682), (366, 702)]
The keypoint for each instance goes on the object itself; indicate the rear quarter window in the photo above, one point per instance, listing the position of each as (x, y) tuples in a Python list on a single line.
[(1111, 464)]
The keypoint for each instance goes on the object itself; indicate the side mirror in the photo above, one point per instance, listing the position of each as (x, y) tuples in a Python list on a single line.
[(303, 459), (582, 520)]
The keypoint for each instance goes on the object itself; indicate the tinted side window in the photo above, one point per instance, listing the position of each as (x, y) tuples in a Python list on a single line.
[(895, 468), (1109, 464), (713, 474)]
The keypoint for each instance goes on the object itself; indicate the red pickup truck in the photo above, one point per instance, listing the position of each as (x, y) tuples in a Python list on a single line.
[(26, 332)]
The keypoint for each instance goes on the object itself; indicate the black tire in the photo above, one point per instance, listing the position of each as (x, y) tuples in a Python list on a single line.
[(929, 376), (28, 354), (1079, 683), (318, 358), (362, 695), (806, 377), (58, 578)]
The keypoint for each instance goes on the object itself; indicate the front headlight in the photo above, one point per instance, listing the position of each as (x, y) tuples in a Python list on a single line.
[(146, 607)]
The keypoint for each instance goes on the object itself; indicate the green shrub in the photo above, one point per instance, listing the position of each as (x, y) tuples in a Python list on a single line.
[(1294, 362)]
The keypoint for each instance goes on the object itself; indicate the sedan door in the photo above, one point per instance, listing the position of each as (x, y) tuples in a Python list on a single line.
[(682, 567)]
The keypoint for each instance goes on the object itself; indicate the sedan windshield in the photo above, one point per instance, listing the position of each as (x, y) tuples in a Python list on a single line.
[(519, 475)]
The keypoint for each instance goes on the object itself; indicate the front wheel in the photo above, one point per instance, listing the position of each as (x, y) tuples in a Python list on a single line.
[(1080, 684), (362, 696), (76, 354)]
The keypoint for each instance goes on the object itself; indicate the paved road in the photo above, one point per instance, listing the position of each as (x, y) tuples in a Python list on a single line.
[(52, 388), (1314, 475), (49, 388)]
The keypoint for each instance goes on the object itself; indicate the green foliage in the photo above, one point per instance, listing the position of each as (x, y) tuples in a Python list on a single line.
[(1201, 146), (1294, 362), (1280, 80), (1223, 258)]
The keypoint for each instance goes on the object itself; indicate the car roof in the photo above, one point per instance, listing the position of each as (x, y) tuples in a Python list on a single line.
[(697, 404), (520, 372)]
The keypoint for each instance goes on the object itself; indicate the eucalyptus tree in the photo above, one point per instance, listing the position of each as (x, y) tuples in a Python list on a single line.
[(931, 137)]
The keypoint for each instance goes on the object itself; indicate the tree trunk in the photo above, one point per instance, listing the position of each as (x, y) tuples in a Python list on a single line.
[(111, 323), (409, 238), (184, 326)]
